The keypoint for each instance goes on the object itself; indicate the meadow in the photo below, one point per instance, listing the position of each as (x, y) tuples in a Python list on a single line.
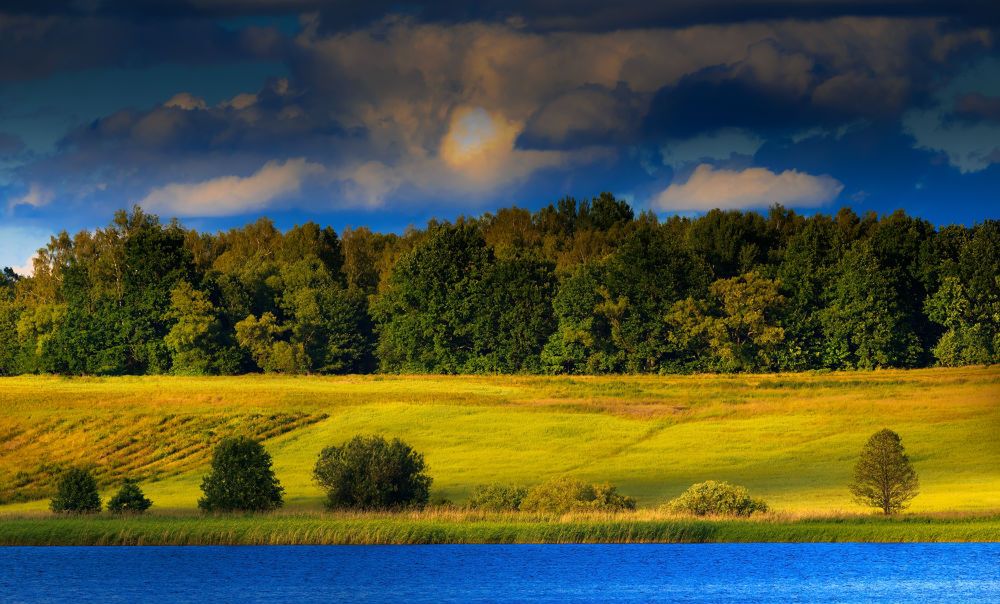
[(791, 438)]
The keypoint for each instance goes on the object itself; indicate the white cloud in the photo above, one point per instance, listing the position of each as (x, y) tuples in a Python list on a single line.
[(708, 188), (232, 195), (37, 196)]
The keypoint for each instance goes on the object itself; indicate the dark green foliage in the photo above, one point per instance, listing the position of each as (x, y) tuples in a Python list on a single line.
[(371, 473), (883, 476), (711, 498), (866, 322), (575, 287), (514, 316), (9, 315), (562, 495), (497, 497), (241, 479), (76, 493), (427, 315), (129, 499)]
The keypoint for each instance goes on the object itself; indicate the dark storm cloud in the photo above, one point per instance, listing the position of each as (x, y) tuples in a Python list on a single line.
[(587, 115), (455, 101), (791, 83), (976, 107), (38, 46), (574, 15)]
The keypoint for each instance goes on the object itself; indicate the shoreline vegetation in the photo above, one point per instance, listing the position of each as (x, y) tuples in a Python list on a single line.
[(464, 527)]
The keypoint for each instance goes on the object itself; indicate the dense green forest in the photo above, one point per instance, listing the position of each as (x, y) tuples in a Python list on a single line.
[(576, 287)]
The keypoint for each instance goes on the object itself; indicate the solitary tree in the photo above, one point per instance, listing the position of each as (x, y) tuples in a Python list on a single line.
[(241, 478), (373, 473), (883, 476), (77, 493), (129, 499)]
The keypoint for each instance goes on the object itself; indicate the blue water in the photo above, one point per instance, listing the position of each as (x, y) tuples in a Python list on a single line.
[(491, 573)]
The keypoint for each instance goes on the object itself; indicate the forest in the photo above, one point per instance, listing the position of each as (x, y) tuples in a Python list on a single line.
[(577, 287)]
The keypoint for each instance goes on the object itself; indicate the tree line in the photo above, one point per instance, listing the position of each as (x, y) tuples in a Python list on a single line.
[(575, 287)]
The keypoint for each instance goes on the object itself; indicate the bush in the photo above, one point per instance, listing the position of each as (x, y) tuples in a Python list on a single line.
[(129, 499), (717, 498), (497, 497), (371, 473), (77, 493), (241, 478), (562, 495), (608, 499)]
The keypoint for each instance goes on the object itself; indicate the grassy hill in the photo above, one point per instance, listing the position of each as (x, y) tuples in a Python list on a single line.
[(791, 438)]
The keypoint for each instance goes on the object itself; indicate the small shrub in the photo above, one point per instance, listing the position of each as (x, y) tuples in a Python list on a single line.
[(717, 498), (497, 497), (241, 478), (129, 499), (77, 493), (371, 473), (562, 495)]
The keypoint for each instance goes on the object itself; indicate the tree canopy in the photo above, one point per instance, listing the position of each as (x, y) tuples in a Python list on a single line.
[(575, 287)]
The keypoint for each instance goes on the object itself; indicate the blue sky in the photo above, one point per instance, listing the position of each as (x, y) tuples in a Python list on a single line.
[(383, 114)]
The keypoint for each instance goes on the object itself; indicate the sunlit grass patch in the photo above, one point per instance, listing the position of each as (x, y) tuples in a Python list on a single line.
[(790, 438)]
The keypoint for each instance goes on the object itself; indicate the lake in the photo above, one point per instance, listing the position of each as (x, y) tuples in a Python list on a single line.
[(489, 573)]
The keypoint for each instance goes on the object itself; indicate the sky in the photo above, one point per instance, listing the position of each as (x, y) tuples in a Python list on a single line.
[(385, 114)]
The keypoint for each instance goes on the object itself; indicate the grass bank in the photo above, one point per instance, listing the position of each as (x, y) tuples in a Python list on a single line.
[(432, 528)]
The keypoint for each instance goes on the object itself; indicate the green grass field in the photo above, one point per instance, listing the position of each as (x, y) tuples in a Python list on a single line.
[(791, 438)]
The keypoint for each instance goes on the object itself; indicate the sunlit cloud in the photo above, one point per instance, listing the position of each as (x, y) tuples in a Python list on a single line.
[(708, 188), (232, 195)]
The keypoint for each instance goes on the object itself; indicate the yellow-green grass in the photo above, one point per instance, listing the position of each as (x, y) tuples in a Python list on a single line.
[(791, 438), (457, 527)]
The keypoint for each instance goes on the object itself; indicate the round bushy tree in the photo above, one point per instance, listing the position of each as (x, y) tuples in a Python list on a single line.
[(561, 495), (883, 476), (716, 498), (241, 479), (77, 493), (371, 473), (129, 499), (497, 497)]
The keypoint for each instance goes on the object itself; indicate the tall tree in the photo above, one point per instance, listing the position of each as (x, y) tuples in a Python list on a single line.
[(883, 475), (427, 314)]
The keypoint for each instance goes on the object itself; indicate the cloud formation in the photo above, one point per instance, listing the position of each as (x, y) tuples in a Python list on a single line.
[(36, 196), (708, 188), (233, 195), (460, 105)]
